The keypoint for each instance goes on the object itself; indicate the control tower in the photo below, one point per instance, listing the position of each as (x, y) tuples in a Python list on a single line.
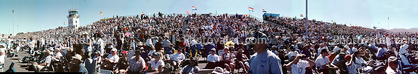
[(73, 19)]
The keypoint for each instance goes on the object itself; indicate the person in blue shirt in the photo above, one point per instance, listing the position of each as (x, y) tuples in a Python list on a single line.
[(264, 61)]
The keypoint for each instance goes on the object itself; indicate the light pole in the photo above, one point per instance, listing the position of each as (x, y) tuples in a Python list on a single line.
[(13, 11), (388, 23), (306, 18)]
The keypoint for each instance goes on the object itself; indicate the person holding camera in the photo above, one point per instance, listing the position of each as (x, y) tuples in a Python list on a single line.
[(299, 64)]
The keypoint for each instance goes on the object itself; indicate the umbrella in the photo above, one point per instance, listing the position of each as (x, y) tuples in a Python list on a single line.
[(229, 43)]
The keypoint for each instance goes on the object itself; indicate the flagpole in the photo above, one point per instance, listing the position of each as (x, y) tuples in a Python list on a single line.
[(388, 23)]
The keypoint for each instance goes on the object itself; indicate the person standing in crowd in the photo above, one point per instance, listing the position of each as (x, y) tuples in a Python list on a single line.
[(32, 46), (212, 60), (136, 64), (264, 61), (177, 58)]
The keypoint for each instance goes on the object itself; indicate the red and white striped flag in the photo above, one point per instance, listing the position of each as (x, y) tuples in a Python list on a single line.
[(251, 9), (194, 8)]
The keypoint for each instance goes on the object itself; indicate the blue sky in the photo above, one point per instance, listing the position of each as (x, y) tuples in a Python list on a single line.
[(36, 15)]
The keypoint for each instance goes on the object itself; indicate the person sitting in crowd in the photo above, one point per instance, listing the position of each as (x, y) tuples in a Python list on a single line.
[(177, 58), (299, 64), (68, 58), (136, 64), (292, 53), (227, 59), (339, 61), (241, 60), (213, 59), (122, 63), (393, 66), (2, 56), (98, 58), (77, 65), (323, 63), (191, 68), (361, 64), (405, 58), (44, 63), (57, 54), (156, 64), (351, 67), (111, 60)]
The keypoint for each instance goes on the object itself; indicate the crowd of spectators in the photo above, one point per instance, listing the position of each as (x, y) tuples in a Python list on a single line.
[(175, 42)]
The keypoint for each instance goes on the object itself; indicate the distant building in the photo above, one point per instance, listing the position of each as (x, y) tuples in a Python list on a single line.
[(73, 19)]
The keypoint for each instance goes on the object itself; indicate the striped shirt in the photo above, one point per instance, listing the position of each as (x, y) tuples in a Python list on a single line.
[(136, 64)]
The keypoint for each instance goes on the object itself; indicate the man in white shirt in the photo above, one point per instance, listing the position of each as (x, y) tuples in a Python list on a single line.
[(58, 54), (45, 62), (323, 62), (299, 64), (392, 66), (212, 59), (111, 59), (323, 46), (2, 56), (360, 62), (156, 64), (177, 58), (102, 46), (292, 53), (32, 46)]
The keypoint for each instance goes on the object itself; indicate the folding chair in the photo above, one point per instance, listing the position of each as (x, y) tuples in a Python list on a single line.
[(2, 66), (105, 72)]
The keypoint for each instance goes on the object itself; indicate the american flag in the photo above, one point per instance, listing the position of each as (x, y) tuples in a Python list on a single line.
[(194, 8), (251, 9), (188, 12)]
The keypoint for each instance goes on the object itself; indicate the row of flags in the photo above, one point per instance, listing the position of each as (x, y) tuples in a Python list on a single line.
[(250, 9), (194, 8)]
